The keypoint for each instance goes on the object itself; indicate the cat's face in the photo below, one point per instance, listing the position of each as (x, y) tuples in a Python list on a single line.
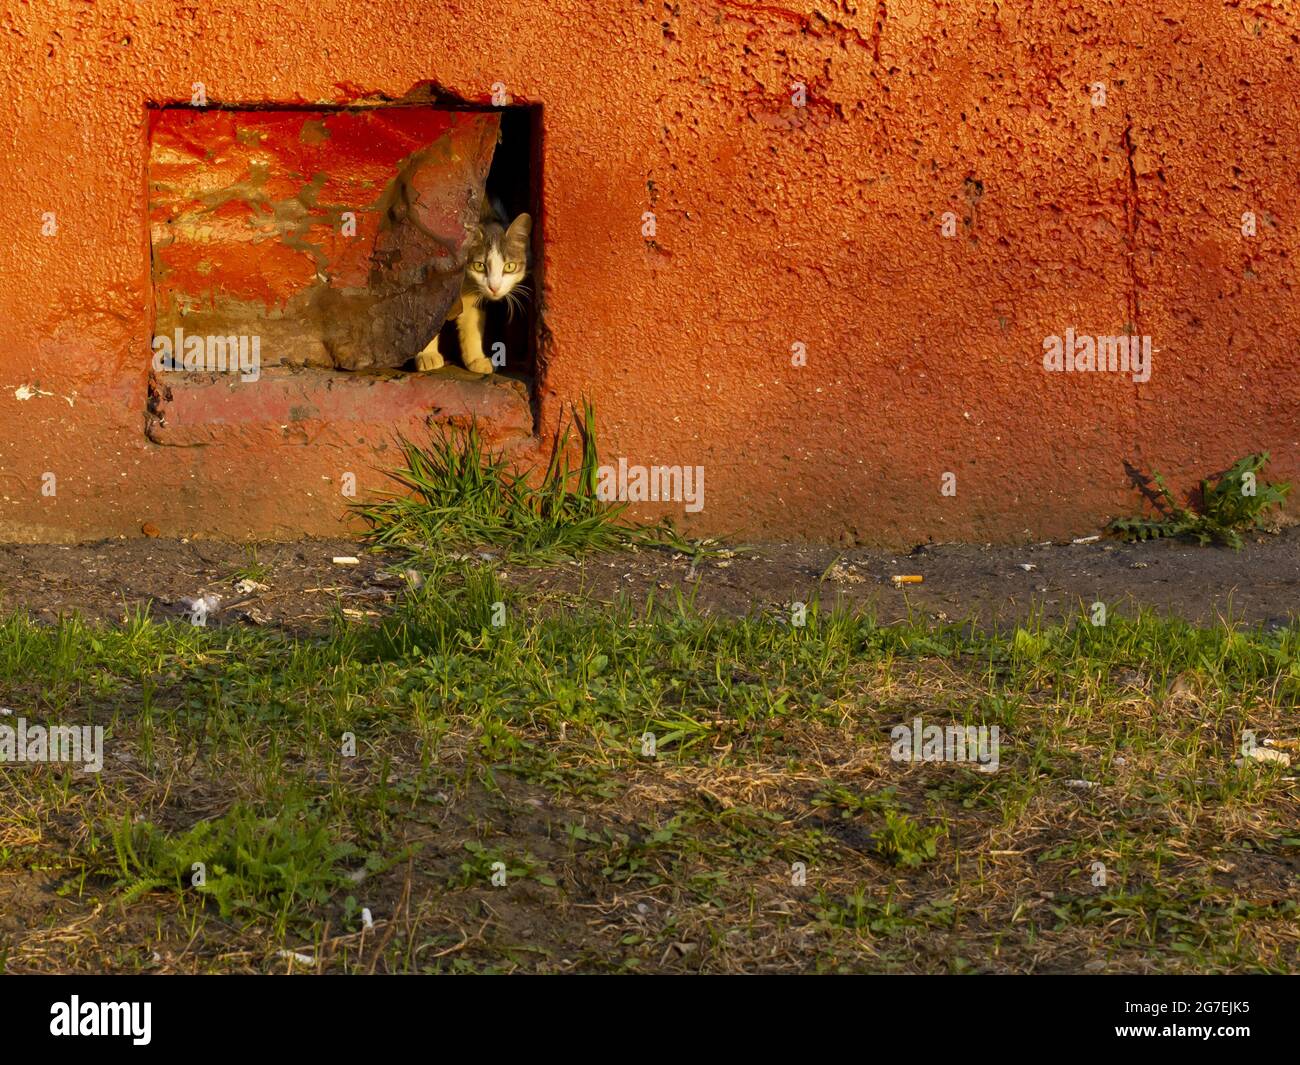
[(498, 257)]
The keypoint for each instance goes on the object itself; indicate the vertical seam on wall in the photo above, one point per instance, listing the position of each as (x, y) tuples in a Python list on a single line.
[(1132, 300), (1132, 218)]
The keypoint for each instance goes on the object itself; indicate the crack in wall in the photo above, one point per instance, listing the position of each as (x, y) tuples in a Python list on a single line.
[(1132, 218), (878, 29)]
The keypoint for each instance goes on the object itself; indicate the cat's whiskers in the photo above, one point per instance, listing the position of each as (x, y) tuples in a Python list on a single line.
[(515, 299)]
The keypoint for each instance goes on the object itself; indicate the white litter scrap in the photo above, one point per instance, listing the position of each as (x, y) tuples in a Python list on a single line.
[(245, 586), (1265, 754), (1086, 540), (1082, 785), (346, 560), (199, 610), (367, 919), (301, 959)]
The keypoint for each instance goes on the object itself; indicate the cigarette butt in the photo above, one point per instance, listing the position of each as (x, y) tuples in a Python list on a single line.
[(346, 560), (907, 578)]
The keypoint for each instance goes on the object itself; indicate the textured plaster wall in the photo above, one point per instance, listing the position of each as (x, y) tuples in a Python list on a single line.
[(775, 225)]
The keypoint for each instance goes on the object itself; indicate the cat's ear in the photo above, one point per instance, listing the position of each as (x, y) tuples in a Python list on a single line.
[(520, 228)]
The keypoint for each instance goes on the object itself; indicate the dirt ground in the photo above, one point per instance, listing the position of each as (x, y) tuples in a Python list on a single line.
[(993, 584), (527, 755)]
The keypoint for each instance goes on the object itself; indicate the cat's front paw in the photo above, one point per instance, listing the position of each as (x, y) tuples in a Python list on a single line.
[(428, 360), (478, 365)]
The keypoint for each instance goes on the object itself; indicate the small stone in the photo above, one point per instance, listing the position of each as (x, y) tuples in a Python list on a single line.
[(150, 529)]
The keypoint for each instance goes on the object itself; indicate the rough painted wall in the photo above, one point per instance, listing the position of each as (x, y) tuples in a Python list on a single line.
[(776, 225)]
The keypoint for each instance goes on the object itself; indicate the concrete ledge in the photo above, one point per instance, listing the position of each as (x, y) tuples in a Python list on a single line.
[(304, 406)]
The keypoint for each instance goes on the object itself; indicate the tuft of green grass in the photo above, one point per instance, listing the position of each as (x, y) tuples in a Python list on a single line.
[(900, 839), (252, 570), (1235, 502), (905, 842), (459, 609), (458, 494), (482, 864), (859, 913), (250, 866)]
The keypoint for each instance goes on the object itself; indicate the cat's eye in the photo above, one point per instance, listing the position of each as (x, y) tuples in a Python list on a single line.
[(476, 266), (510, 268)]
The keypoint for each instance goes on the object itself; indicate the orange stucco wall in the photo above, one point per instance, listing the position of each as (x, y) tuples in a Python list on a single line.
[(776, 225)]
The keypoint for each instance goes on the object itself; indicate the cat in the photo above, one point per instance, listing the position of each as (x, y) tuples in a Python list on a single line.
[(496, 264)]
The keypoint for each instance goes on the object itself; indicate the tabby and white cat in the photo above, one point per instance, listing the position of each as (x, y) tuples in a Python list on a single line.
[(497, 261)]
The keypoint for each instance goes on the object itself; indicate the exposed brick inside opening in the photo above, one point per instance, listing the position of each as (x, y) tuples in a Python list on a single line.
[(332, 238)]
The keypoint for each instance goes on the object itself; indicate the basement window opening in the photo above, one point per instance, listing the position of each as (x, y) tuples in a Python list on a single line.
[(304, 260)]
